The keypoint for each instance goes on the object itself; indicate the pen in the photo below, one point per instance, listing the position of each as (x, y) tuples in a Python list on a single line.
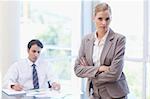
[(49, 85)]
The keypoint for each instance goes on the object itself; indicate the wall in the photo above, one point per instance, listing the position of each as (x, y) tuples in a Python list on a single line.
[(9, 33)]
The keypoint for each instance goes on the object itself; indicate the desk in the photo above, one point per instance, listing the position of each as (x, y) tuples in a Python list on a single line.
[(23, 96)]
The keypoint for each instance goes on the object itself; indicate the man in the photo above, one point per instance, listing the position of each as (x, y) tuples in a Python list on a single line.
[(32, 72)]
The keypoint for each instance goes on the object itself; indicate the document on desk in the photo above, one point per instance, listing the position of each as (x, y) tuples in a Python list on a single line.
[(45, 93), (12, 92)]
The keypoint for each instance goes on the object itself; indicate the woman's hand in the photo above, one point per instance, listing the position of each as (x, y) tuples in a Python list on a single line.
[(103, 68), (83, 61)]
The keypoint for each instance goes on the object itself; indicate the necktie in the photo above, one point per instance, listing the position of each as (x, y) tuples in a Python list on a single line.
[(35, 77)]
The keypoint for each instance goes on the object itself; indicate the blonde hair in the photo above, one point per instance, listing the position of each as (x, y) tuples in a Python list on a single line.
[(102, 7)]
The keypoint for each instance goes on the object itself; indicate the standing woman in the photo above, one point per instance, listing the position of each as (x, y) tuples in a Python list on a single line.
[(101, 59)]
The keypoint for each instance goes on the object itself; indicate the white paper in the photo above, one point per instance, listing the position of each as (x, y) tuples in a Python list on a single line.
[(46, 93), (13, 92)]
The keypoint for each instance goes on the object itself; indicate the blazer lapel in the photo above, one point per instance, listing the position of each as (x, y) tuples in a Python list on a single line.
[(107, 46), (90, 44)]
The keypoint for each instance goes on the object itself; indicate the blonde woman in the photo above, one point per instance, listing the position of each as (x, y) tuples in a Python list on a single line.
[(101, 59)]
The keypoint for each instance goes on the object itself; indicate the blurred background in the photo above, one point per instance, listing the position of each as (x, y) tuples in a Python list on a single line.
[(60, 25)]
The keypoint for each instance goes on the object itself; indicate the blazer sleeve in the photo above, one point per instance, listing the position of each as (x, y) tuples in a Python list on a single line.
[(88, 71), (116, 66)]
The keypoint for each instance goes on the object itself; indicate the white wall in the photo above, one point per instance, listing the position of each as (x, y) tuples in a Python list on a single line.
[(9, 33)]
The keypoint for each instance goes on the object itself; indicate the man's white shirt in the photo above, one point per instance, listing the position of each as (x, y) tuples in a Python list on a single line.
[(21, 72)]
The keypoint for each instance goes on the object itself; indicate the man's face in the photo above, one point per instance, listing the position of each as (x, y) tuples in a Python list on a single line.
[(34, 52), (102, 20)]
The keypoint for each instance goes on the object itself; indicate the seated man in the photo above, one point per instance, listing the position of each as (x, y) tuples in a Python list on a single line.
[(32, 72)]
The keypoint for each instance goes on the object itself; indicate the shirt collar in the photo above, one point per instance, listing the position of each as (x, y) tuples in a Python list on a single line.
[(31, 63), (97, 41)]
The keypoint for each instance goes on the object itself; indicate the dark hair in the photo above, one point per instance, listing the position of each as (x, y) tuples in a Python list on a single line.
[(35, 41)]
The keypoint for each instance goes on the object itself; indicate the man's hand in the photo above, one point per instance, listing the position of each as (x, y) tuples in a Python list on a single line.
[(83, 61), (103, 68), (17, 87), (56, 86)]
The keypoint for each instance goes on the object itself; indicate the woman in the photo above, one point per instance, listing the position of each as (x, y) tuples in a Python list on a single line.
[(101, 59)]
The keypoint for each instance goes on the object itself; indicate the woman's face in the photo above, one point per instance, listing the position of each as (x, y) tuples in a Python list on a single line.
[(102, 20)]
